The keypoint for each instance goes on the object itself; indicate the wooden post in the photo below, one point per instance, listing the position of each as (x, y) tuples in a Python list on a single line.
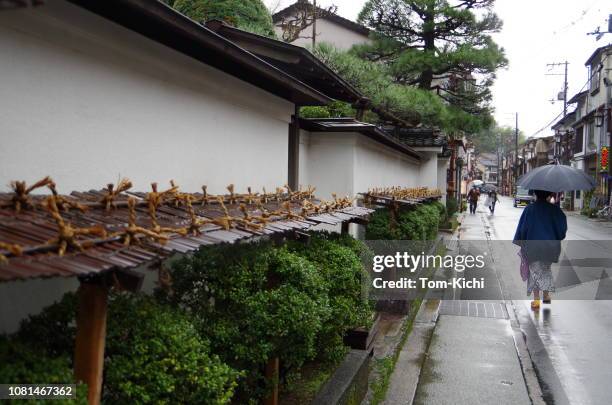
[(345, 228), (272, 371), (294, 151), (90, 337)]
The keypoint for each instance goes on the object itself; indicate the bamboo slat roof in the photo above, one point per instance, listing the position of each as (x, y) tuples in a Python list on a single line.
[(87, 233)]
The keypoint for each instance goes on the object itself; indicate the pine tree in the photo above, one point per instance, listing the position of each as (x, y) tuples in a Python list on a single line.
[(440, 45), (249, 15)]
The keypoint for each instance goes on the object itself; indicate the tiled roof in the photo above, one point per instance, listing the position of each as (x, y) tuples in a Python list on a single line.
[(420, 137), (351, 25)]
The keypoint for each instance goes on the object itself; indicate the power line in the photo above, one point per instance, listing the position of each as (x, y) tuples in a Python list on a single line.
[(582, 88)]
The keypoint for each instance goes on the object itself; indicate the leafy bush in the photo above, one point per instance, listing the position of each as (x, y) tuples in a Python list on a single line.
[(586, 205), (153, 353), (22, 363), (249, 15), (419, 223), (379, 226), (451, 206), (253, 302), (336, 109), (337, 258)]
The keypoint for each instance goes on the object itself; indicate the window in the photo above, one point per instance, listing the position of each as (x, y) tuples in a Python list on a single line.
[(594, 77), (578, 140), (591, 145)]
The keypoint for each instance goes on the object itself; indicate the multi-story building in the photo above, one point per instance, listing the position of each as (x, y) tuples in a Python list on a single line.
[(592, 123)]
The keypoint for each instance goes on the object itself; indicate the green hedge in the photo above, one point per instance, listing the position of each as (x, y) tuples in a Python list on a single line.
[(153, 352), (24, 363), (338, 261), (418, 223), (246, 303), (253, 302)]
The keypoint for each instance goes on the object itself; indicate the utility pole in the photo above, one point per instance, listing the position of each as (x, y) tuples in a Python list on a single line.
[(516, 142), (564, 74), (314, 23)]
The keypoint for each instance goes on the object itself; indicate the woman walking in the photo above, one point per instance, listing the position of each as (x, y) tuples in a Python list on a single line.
[(539, 233), (491, 200)]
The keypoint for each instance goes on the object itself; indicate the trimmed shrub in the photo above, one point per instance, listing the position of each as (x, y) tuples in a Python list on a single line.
[(253, 302), (419, 223), (337, 258), (23, 363), (451, 206), (153, 352)]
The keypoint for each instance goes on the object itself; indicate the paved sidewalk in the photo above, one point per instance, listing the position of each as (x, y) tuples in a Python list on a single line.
[(466, 353), (472, 360)]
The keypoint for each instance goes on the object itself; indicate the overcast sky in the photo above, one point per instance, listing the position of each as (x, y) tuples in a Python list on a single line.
[(535, 32)]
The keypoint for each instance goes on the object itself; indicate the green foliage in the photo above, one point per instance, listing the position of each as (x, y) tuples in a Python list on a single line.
[(451, 206), (407, 102), (336, 109), (153, 352), (420, 223), (248, 15), (24, 363), (337, 259), (427, 42), (55, 327), (379, 226), (489, 140), (253, 302), (586, 205), (314, 112)]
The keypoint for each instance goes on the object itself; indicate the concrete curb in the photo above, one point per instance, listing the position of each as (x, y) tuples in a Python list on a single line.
[(405, 377), (529, 373)]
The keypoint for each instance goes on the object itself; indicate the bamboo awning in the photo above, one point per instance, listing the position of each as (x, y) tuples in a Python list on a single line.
[(87, 233)]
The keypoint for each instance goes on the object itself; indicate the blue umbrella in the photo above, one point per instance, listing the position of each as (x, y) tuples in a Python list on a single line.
[(556, 178)]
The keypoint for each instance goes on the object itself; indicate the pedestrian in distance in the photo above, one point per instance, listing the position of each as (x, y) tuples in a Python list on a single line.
[(539, 233), (491, 200), (472, 198)]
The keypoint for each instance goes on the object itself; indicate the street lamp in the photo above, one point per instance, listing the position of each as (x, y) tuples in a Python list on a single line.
[(599, 119)]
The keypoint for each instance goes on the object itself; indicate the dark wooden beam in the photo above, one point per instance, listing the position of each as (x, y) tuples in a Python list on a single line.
[(90, 337), (272, 369), (294, 152)]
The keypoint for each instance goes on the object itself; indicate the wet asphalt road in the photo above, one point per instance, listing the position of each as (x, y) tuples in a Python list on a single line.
[(570, 341)]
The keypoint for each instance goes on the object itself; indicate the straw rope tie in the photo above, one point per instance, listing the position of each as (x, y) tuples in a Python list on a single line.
[(111, 193), (67, 235), (131, 232), (21, 199), (12, 248)]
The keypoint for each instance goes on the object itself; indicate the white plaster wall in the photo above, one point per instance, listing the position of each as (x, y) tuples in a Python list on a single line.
[(330, 164), (379, 166), (305, 156), (330, 32), (429, 170), (86, 101), (348, 163), (19, 299), (443, 164)]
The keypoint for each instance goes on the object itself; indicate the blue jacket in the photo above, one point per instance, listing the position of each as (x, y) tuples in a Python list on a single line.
[(544, 225)]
